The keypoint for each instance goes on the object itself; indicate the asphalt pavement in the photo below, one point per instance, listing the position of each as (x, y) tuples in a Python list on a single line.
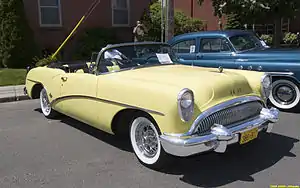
[(64, 153)]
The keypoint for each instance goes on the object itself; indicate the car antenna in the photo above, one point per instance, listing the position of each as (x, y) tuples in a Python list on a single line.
[(83, 18)]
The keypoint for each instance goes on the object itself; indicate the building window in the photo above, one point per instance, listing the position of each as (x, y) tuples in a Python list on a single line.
[(120, 12), (49, 13)]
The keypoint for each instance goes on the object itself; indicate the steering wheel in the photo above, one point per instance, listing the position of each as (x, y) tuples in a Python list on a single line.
[(147, 59)]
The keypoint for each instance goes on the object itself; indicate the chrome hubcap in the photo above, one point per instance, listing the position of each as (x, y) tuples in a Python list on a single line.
[(146, 140), (45, 102), (284, 94)]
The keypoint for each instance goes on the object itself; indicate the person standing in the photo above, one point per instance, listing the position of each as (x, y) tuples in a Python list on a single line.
[(139, 32)]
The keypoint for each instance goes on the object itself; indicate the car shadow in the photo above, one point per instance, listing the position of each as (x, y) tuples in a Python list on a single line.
[(123, 144), (239, 163)]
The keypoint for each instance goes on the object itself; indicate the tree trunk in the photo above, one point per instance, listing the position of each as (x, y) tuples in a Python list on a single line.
[(277, 32)]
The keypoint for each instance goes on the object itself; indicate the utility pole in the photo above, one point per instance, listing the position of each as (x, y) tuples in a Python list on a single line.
[(162, 20), (169, 29)]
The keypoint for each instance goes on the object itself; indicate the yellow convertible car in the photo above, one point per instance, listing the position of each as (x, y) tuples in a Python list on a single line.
[(166, 109)]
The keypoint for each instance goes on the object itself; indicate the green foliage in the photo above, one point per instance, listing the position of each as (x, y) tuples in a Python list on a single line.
[(234, 22), (12, 77), (17, 47), (44, 61), (267, 38), (182, 23), (93, 40), (290, 38)]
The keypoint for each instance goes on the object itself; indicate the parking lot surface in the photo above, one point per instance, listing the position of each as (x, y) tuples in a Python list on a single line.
[(64, 153)]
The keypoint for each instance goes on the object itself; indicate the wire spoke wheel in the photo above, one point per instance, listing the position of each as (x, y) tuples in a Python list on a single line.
[(144, 137)]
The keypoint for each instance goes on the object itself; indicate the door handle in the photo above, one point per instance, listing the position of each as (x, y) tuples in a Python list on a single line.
[(64, 78), (199, 56)]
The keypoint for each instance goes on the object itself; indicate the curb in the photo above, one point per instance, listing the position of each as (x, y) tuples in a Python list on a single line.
[(13, 99), (12, 93)]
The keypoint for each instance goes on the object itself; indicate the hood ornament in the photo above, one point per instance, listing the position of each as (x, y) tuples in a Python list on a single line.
[(220, 69)]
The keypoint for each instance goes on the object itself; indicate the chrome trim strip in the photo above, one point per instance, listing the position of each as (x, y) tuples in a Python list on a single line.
[(107, 101), (32, 80), (217, 108), (280, 73)]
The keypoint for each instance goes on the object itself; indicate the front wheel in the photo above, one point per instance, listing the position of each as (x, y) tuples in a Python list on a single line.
[(45, 105), (144, 137), (285, 94)]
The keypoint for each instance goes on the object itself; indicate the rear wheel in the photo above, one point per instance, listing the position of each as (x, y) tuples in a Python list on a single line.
[(144, 137), (285, 94), (45, 105)]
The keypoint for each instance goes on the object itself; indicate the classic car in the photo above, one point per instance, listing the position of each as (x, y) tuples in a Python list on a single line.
[(167, 109), (240, 49)]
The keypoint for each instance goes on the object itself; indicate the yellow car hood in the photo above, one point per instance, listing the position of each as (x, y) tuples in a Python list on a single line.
[(208, 84)]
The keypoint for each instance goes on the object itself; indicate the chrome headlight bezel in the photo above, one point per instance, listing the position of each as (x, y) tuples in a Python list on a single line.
[(185, 103), (266, 86)]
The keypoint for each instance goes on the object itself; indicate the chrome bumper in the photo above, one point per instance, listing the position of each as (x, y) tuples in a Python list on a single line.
[(219, 138)]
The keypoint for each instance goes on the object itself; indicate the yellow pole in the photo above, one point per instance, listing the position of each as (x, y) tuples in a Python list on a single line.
[(68, 37)]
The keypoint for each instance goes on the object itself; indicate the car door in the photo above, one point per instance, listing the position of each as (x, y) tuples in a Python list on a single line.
[(78, 96), (215, 52), (185, 51)]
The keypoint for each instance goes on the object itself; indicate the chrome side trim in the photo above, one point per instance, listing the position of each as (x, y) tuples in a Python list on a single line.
[(280, 73), (216, 108), (106, 101), (32, 80)]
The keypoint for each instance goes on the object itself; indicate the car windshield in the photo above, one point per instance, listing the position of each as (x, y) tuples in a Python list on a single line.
[(136, 55), (245, 42)]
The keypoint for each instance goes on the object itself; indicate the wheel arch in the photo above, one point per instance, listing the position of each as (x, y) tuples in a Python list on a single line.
[(122, 119), (290, 78), (35, 91)]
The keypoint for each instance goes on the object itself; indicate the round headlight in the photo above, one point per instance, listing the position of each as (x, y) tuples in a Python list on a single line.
[(186, 100), (266, 83), (186, 104)]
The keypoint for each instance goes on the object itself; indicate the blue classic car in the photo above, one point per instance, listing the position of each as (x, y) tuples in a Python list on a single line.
[(240, 49)]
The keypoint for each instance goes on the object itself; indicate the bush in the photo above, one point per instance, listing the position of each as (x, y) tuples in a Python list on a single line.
[(290, 38), (44, 61), (182, 23), (93, 40), (17, 47), (267, 38)]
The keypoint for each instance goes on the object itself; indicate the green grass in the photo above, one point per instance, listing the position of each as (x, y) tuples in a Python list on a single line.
[(12, 77)]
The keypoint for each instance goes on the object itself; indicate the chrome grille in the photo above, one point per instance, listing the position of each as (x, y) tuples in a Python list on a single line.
[(230, 116)]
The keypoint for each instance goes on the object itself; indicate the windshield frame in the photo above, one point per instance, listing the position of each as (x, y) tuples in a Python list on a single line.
[(257, 42), (133, 44)]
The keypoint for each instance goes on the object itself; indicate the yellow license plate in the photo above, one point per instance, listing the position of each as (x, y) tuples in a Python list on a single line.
[(248, 136)]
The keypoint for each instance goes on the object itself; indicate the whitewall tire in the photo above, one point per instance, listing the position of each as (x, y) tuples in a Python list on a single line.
[(144, 137), (285, 94), (45, 105)]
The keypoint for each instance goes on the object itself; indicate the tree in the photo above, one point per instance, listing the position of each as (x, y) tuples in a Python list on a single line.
[(182, 23), (255, 9), (17, 47)]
